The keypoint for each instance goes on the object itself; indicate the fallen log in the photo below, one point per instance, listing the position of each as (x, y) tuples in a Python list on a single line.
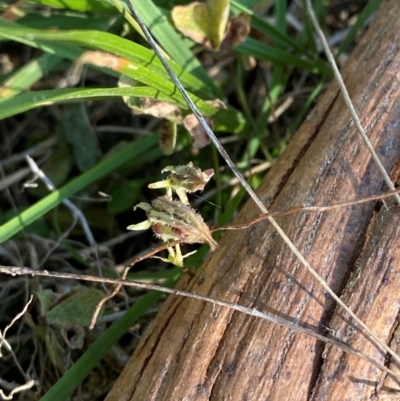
[(198, 351)]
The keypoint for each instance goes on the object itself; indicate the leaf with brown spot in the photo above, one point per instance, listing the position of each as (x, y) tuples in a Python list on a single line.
[(149, 106), (95, 57)]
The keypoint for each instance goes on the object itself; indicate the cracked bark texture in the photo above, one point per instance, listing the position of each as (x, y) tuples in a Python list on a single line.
[(197, 351)]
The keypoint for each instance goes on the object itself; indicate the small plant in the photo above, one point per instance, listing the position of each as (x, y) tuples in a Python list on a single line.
[(173, 220)]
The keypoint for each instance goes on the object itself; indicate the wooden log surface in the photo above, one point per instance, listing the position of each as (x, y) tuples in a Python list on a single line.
[(195, 351)]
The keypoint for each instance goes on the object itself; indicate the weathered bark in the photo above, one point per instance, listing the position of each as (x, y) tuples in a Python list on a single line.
[(197, 351)]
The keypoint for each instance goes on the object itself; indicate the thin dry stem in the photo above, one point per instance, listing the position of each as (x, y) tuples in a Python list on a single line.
[(299, 209), (19, 315), (15, 389), (4, 342), (123, 277), (13, 270)]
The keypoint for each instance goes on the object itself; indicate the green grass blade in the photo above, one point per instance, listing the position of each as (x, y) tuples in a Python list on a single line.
[(52, 42), (28, 75), (77, 5), (307, 105), (62, 21), (265, 28), (146, 69), (278, 81), (28, 101), (280, 16), (265, 52), (371, 7), (52, 200), (171, 41), (227, 120)]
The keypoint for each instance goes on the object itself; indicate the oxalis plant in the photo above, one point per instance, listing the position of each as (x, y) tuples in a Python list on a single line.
[(174, 219)]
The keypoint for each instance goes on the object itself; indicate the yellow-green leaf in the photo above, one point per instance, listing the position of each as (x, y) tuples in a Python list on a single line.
[(203, 22)]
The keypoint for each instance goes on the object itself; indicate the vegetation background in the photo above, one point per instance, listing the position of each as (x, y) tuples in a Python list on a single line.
[(101, 155)]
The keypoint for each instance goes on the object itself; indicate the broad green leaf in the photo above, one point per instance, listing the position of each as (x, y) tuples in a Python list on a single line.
[(46, 299), (77, 308), (125, 196), (203, 22)]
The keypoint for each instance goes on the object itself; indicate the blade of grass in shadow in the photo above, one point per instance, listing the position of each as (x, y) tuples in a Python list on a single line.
[(280, 73), (370, 8), (52, 200), (218, 182), (270, 53), (267, 29), (28, 75), (262, 51), (307, 105), (86, 363), (258, 131), (158, 276)]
